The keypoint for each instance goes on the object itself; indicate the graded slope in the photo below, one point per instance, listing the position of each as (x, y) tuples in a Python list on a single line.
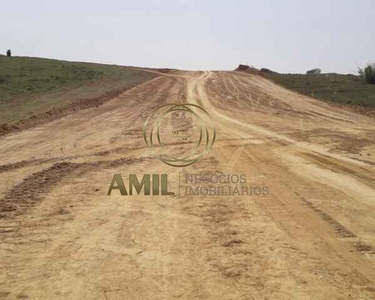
[(312, 237)]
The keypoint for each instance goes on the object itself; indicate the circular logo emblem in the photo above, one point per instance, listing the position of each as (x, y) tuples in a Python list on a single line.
[(179, 134)]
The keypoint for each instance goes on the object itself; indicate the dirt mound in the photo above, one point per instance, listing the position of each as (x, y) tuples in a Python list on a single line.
[(30, 189), (5, 128), (248, 69)]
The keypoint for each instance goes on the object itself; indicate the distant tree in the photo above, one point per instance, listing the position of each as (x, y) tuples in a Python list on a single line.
[(9, 53), (314, 71), (368, 73)]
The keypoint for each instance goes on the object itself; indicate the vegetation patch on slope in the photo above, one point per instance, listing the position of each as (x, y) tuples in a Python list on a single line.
[(35, 88), (336, 88)]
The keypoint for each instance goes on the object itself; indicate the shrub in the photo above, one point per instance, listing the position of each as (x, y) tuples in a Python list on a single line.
[(265, 70), (314, 71), (368, 73)]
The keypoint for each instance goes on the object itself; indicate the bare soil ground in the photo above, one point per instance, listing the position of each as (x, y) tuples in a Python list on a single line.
[(312, 237)]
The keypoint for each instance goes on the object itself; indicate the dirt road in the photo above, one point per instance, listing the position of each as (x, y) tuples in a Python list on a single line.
[(311, 237)]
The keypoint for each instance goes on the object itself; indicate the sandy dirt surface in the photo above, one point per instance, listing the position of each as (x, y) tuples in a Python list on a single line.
[(311, 237)]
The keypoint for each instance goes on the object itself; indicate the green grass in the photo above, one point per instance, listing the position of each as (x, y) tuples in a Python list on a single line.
[(30, 86), (343, 89)]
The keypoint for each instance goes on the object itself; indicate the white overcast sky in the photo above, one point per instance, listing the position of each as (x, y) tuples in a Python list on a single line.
[(287, 36)]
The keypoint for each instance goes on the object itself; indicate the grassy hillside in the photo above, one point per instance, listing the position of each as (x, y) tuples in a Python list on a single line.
[(31, 86), (343, 89)]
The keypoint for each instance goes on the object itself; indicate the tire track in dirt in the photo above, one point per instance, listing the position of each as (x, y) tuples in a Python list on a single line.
[(339, 228), (31, 190)]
